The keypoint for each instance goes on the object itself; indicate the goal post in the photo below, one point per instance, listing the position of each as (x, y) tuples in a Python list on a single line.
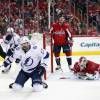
[(48, 45)]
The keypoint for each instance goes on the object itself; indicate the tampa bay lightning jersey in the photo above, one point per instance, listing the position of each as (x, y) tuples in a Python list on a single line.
[(31, 59), (14, 42)]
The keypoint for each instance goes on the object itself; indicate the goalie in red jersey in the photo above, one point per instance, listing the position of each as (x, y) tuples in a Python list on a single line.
[(60, 31), (86, 69)]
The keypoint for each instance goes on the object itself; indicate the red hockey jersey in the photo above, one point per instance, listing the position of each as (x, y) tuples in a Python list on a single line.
[(91, 68), (60, 35)]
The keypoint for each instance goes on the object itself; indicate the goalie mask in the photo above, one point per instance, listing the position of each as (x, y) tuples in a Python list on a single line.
[(25, 44), (82, 62)]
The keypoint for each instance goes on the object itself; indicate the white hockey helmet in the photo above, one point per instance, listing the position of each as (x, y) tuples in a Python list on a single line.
[(10, 30), (25, 44), (24, 40), (83, 61)]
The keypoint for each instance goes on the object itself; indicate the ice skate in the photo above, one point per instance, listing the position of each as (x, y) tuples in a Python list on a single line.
[(10, 86), (58, 67), (45, 86), (70, 68), (6, 69)]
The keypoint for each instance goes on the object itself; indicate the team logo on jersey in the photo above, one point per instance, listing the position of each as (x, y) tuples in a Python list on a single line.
[(28, 61)]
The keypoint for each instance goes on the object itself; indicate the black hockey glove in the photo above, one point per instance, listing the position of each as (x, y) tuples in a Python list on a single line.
[(13, 46), (10, 52), (70, 41), (41, 70), (17, 60), (8, 38), (2, 53)]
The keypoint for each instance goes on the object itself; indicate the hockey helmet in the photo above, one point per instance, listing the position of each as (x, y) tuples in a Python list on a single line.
[(25, 44), (83, 61), (24, 40), (10, 30)]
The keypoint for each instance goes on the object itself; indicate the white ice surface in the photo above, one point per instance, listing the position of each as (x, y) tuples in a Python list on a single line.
[(59, 89)]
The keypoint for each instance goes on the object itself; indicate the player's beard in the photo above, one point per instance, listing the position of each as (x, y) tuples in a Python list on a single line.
[(26, 49)]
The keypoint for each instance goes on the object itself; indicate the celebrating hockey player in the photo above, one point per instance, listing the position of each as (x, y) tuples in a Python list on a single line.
[(10, 42), (62, 39), (86, 69), (33, 61)]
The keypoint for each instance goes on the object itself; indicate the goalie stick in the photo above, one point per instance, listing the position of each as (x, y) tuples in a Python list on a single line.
[(64, 78), (67, 76)]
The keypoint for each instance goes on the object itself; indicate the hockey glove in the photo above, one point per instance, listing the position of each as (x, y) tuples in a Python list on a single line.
[(70, 44), (13, 46), (81, 76), (41, 70), (8, 39), (10, 52), (17, 60)]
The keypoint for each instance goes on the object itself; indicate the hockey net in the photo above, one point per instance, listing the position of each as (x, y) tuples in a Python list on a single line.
[(44, 40)]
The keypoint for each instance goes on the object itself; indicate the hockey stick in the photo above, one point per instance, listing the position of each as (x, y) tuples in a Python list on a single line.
[(67, 77), (64, 78)]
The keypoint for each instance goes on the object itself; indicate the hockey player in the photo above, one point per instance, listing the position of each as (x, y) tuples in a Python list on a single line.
[(2, 33), (10, 42), (86, 69), (33, 61), (62, 39)]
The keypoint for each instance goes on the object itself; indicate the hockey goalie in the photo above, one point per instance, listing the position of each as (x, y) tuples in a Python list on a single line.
[(86, 69)]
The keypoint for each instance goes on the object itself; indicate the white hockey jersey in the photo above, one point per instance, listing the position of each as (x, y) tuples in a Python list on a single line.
[(12, 43), (31, 59)]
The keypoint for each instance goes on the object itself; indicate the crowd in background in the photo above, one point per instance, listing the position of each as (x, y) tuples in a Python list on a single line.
[(88, 14), (29, 16)]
